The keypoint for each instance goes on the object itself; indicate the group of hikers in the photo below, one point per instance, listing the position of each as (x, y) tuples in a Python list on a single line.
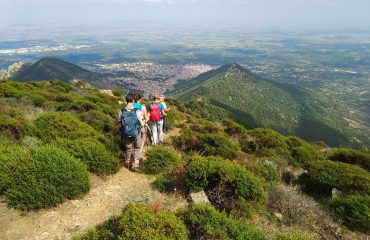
[(139, 123)]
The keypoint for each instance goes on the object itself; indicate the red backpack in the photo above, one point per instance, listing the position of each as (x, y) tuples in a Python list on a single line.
[(155, 112)]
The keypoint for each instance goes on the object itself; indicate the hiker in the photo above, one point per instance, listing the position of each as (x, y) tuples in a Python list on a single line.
[(144, 117), (162, 99), (131, 124), (156, 114)]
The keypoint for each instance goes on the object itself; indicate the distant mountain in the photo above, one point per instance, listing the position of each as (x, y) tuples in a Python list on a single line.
[(257, 102), (55, 69)]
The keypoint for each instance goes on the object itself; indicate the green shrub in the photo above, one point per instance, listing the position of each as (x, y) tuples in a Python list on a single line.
[(204, 222), (264, 142), (360, 158), (13, 123), (51, 125), (163, 184), (296, 235), (171, 119), (209, 144), (301, 152), (224, 182), (218, 145), (139, 222), (354, 211), (9, 158), (118, 92), (42, 177), (161, 159), (323, 176), (98, 120), (92, 152), (233, 129)]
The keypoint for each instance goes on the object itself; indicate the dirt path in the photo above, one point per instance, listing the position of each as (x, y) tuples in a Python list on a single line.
[(106, 198)]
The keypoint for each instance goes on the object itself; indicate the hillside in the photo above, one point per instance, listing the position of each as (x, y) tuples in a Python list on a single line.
[(54, 69), (61, 173), (257, 102)]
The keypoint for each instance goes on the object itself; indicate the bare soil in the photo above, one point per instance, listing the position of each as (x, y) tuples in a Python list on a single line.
[(106, 198)]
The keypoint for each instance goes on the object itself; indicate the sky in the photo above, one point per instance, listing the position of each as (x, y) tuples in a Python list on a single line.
[(336, 14)]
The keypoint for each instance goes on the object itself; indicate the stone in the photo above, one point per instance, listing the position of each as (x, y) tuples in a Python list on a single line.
[(279, 216), (199, 197)]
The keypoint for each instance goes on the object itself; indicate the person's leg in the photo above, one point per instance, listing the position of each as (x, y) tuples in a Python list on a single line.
[(160, 130), (154, 133), (129, 151), (144, 136), (138, 148)]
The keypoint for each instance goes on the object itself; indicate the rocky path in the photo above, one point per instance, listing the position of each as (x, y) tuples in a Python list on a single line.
[(106, 198)]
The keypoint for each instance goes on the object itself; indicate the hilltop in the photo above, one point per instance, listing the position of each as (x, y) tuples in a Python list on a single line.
[(257, 102), (54, 69)]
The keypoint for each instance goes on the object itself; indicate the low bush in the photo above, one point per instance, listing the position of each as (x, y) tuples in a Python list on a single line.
[(218, 145), (51, 125), (13, 123), (224, 182), (208, 144), (205, 222), (98, 120), (163, 183), (92, 152), (264, 142), (161, 159), (345, 155), (233, 129), (354, 211), (139, 222), (118, 92), (301, 152), (323, 176), (295, 235), (42, 177)]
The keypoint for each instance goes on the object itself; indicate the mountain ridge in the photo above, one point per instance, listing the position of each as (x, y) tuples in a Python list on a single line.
[(258, 102)]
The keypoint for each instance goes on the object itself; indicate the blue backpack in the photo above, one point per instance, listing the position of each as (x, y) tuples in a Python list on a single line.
[(130, 125)]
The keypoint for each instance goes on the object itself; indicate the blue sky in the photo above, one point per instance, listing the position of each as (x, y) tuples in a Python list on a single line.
[(338, 14)]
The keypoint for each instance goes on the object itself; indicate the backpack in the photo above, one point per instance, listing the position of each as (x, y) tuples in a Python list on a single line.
[(130, 126), (155, 112)]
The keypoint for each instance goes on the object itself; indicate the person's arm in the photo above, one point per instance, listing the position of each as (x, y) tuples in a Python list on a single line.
[(146, 114), (141, 121), (162, 110)]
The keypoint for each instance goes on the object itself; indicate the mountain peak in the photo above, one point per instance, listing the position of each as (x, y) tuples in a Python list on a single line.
[(51, 68)]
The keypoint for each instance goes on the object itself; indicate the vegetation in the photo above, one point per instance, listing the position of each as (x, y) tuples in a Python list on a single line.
[(41, 177), (161, 159), (357, 157), (140, 222), (226, 183), (234, 92), (296, 235), (205, 222), (354, 211), (209, 144), (13, 123), (52, 125), (323, 176), (92, 152)]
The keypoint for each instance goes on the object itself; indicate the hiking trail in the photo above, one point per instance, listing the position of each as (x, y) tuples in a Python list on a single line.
[(106, 198)]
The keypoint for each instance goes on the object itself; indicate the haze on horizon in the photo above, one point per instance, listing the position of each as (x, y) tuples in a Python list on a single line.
[(323, 14)]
